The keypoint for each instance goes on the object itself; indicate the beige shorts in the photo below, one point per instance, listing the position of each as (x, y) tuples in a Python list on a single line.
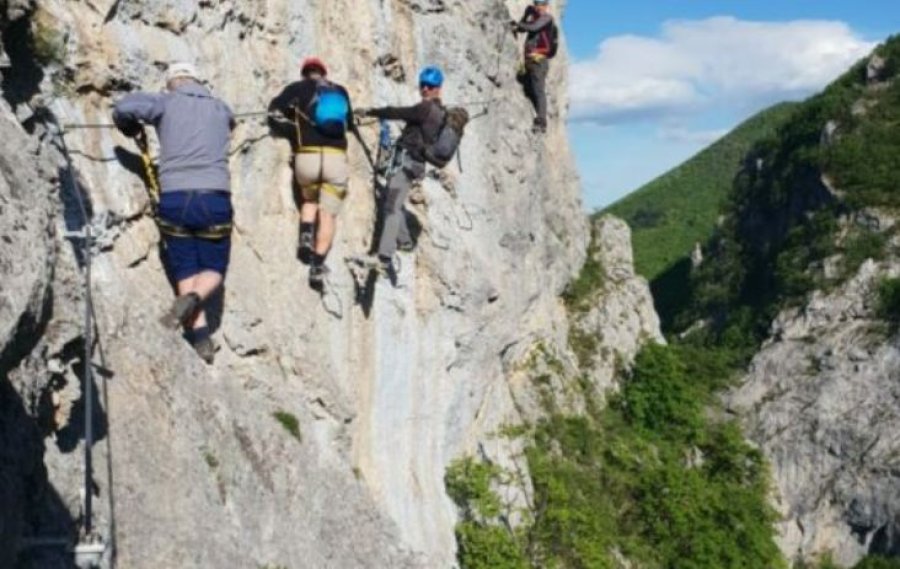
[(322, 174)]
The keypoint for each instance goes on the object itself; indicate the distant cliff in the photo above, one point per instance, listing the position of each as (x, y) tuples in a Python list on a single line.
[(805, 262)]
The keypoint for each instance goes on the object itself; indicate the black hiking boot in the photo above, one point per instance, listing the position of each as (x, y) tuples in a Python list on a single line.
[(317, 275), (206, 349), (539, 127), (182, 309), (305, 250)]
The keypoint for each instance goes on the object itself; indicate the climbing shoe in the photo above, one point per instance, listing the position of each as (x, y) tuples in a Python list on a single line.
[(539, 127), (182, 309), (305, 250), (206, 349), (317, 275)]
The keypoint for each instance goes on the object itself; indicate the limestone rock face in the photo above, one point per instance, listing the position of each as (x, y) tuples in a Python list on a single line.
[(195, 465), (27, 255), (821, 399), (623, 318)]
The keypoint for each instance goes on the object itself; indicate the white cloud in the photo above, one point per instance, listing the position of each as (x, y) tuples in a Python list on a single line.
[(693, 137), (700, 64)]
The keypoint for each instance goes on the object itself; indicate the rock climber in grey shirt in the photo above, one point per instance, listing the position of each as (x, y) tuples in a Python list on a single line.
[(195, 213)]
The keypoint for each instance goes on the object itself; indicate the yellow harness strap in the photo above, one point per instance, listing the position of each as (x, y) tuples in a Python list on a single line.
[(149, 169), (320, 150), (327, 188), (214, 232)]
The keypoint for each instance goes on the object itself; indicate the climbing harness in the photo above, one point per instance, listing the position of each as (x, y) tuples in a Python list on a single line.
[(213, 232)]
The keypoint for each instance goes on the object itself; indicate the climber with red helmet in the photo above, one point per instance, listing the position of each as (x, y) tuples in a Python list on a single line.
[(423, 123), (322, 115), (541, 44)]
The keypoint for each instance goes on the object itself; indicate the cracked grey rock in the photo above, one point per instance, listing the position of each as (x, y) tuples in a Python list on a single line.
[(821, 399)]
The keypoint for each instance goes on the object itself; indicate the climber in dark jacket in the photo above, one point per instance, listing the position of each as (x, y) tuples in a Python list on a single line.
[(536, 23), (321, 168), (423, 123), (195, 213)]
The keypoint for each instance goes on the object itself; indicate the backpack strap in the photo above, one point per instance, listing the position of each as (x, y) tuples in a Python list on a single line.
[(443, 123)]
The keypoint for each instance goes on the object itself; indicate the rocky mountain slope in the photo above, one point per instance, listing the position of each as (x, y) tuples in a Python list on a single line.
[(806, 262), (321, 435)]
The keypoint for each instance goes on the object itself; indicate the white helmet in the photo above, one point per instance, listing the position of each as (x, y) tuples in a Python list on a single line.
[(180, 70)]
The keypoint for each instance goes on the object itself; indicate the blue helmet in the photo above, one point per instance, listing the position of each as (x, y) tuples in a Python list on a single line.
[(431, 77)]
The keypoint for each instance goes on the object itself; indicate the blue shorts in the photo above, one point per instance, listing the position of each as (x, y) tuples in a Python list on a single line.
[(185, 257)]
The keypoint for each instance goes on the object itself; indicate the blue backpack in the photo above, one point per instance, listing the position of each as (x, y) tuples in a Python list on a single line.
[(329, 109)]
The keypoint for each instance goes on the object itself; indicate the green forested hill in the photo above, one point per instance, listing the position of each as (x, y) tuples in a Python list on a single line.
[(680, 208), (838, 153)]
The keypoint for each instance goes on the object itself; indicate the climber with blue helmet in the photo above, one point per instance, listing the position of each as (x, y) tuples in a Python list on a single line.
[(541, 44), (423, 124)]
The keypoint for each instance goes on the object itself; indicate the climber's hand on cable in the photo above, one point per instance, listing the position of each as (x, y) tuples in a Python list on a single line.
[(362, 112), (127, 127)]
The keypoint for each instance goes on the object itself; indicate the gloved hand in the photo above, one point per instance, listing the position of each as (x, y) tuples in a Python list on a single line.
[(129, 128), (514, 25), (277, 116)]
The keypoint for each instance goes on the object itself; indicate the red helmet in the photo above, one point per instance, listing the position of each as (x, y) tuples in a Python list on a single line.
[(313, 63)]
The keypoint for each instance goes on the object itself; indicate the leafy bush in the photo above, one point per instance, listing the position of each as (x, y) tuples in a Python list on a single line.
[(862, 247), (580, 293), (468, 484), (888, 308), (488, 547), (659, 397), (650, 477), (584, 345), (878, 563), (483, 542)]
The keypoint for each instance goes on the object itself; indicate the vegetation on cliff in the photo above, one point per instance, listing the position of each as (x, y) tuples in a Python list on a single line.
[(651, 477), (658, 477), (786, 219)]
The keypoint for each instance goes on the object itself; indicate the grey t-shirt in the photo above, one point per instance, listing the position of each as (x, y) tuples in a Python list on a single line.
[(194, 130)]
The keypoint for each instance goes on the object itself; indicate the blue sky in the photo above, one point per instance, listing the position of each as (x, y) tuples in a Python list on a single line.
[(655, 81)]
